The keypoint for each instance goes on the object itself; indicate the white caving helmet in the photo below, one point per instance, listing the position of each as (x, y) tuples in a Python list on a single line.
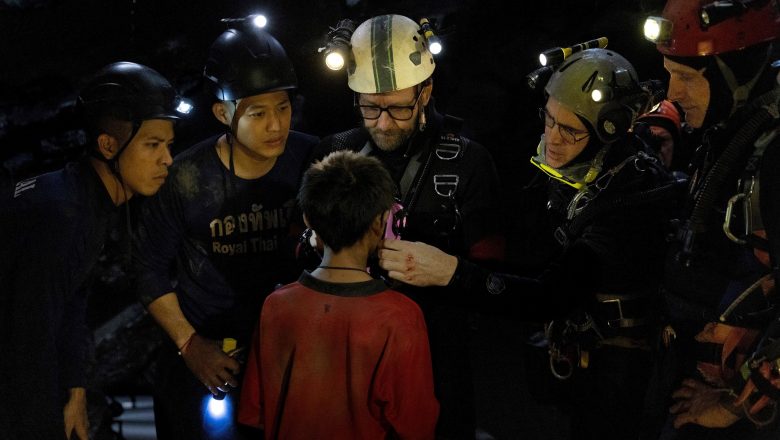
[(389, 53)]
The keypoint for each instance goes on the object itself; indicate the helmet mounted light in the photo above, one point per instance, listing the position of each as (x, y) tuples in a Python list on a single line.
[(658, 30), (337, 49), (184, 107), (551, 58), (556, 55), (255, 20), (693, 28), (434, 42)]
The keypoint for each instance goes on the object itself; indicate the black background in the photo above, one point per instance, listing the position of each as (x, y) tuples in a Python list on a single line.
[(48, 48)]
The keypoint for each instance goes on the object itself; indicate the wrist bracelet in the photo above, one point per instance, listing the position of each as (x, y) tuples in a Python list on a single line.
[(186, 343)]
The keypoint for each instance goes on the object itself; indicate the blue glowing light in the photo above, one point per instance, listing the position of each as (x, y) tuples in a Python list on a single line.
[(217, 409), (218, 417)]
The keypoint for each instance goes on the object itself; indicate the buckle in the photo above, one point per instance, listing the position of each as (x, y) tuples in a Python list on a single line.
[(621, 321), (615, 323), (449, 147), (445, 180), (561, 237)]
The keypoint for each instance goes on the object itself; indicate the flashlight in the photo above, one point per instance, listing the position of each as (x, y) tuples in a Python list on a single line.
[(539, 77), (434, 43), (257, 20), (556, 55), (337, 47)]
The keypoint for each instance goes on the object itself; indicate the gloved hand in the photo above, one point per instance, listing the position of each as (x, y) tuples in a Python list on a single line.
[(215, 369), (701, 404)]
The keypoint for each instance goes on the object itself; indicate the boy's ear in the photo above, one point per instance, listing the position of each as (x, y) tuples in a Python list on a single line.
[(306, 221), (378, 225), (107, 145)]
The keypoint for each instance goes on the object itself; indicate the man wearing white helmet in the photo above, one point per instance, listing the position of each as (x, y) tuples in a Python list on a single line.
[(447, 185)]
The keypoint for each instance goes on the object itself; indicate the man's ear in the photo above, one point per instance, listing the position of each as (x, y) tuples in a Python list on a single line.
[(222, 112), (107, 145), (306, 221), (426, 93)]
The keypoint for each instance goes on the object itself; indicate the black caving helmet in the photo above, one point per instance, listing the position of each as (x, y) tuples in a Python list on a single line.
[(130, 92), (245, 62)]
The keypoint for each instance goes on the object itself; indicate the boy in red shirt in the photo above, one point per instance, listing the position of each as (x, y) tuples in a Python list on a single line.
[(337, 355)]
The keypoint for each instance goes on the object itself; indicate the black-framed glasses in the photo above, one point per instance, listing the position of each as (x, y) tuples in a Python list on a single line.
[(569, 135), (397, 112)]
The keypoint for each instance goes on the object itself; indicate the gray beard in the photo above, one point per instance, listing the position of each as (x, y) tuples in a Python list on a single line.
[(395, 140)]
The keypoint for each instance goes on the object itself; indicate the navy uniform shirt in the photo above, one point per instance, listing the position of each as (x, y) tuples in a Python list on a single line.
[(53, 229)]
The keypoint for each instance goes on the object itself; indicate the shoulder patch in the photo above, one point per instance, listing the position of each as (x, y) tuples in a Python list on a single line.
[(495, 284), (24, 185)]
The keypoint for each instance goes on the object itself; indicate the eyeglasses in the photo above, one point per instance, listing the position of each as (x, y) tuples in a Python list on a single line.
[(568, 134), (397, 112)]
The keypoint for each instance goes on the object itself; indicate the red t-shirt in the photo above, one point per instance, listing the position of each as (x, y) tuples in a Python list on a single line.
[(339, 361)]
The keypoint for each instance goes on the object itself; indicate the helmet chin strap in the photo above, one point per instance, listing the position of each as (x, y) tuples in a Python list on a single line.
[(740, 93), (113, 163), (421, 121), (113, 166)]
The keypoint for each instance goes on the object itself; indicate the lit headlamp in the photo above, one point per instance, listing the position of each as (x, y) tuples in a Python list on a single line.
[(658, 30), (184, 107), (256, 20), (434, 43), (338, 48), (557, 55)]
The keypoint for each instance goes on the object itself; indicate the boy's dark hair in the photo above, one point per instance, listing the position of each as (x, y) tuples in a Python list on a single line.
[(342, 194)]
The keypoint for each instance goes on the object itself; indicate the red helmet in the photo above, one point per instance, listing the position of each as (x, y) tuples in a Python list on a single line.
[(664, 111), (705, 27)]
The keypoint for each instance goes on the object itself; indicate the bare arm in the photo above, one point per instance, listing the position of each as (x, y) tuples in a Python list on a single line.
[(204, 357)]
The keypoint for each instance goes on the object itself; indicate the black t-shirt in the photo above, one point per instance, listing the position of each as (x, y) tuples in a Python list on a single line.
[(228, 241)]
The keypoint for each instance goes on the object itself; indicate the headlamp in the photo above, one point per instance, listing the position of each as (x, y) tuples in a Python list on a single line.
[(551, 56), (259, 20), (338, 48), (556, 55), (539, 77), (658, 30), (434, 43), (718, 11), (184, 107), (256, 20)]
